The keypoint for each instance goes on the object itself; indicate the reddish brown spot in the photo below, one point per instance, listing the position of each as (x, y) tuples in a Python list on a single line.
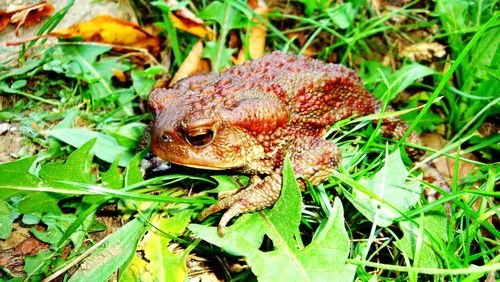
[(301, 90), (264, 63), (269, 76), (278, 91)]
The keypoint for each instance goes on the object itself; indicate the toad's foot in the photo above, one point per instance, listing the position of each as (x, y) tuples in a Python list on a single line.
[(312, 157)]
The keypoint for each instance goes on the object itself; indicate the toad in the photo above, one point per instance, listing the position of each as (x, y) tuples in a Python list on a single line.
[(249, 117)]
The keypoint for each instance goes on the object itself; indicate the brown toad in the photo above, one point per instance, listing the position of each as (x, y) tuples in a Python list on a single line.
[(252, 115)]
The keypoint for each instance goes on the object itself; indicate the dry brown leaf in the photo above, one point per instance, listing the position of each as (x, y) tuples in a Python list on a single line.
[(185, 20), (24, 15), (193, 64), (257, 34), (446, 165), (423, 51), (191, 27), (120, 76), (114, 31), (4, 20)]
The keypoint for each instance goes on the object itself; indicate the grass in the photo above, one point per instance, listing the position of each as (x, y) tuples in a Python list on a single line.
[(66, 100)]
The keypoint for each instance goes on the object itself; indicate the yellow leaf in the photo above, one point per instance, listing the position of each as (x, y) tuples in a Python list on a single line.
[(114, 31), (190, 26)]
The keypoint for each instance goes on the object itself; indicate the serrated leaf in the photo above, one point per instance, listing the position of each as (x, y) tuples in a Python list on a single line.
[(133, 174), (321, 260), (219, 56), (227, 18), (224, 14), (57, 225), (76, 168), (82, 64), (110, 179), (106, 148), (17, 175), (390, 185)]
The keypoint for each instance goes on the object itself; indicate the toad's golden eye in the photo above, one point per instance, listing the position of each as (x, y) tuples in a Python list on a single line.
[(199, 137)]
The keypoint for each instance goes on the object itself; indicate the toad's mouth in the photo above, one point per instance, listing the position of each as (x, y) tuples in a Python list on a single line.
[(201, 163), (200, 166)]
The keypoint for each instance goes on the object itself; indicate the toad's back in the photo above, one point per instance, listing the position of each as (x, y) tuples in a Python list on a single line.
[(314, 93)]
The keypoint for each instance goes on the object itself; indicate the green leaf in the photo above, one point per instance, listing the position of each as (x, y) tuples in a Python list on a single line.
[(133, 174), (390, 185), (18, 84), (158, 263), (434, 222), (33, 202), (127, 135), (228, 18), (401, 79), (106, 148), (321, 260), (57, 225), (312, 6), (452, 15), (76, 168), (226, 183), (80, 61), (224, 14), (112, 178), (33, 263), (429, 121), (484, 57), (7, 215), (28, 65), (17, 174), (116, 249), (342, 15), (143, 81), (219, 56)]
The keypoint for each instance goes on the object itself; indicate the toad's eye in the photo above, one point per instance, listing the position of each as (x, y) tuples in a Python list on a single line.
[(199, 137)]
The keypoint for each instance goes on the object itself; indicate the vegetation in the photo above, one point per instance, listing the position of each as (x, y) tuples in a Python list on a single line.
[(80, 108)]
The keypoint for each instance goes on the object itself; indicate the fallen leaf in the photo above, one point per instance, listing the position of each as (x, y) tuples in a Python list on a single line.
[(26, 15), (185, 20), (445, 165), (423, 51), (257, 34), (120, 75), (193, 64), (114, 31)]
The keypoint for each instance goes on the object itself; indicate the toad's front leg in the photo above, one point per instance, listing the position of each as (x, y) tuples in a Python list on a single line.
[(312, 157)]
